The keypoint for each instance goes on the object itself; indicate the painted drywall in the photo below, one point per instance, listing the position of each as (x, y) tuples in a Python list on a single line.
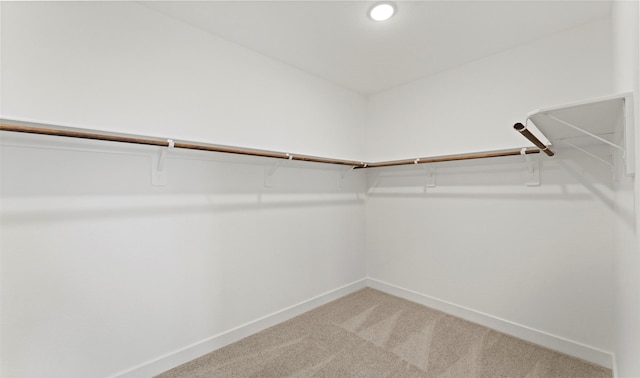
[(101, 271), (93, 263), (473, 108), (121, 67), (538, 257), (626, 50)]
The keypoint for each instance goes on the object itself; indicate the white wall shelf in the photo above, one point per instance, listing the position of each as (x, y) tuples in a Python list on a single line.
[(582, 125)]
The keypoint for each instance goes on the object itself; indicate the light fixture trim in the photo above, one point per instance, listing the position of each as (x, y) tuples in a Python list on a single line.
[(382, 11)]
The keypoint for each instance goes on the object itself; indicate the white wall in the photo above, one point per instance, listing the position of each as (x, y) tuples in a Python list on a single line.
[(122, 67), (103, 273), (473, 107), (95, 259), (537, 257), (482, 242), (626, 51)]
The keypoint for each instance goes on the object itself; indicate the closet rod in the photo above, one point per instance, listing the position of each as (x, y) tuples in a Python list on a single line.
[(185, 145), (251, 152), (532, 138), (441, 159)]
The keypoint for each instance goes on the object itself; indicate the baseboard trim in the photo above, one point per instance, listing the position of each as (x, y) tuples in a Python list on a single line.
[(557, 343), (190, 352)]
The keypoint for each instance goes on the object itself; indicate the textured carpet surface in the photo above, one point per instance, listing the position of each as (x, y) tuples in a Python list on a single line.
[(372, 334)]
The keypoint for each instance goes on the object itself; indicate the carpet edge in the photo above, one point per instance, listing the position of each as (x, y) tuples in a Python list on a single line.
[(545, 339), (210, 344)]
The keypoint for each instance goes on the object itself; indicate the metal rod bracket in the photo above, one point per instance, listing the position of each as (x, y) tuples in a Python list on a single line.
[(269, 172), (430, 181), (532, 168), (159, 176), (594, 136), (345, 173), (522, 129)]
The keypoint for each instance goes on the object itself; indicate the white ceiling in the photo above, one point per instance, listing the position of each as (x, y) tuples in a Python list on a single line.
[(335, 40)]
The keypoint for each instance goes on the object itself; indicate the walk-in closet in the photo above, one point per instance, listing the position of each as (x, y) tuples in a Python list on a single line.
[(319, 189)]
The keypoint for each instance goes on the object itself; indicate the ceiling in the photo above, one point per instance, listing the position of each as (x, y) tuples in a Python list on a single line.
[(335, 40)]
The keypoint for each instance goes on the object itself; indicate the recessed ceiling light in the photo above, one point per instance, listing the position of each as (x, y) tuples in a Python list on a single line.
[(382, 11)]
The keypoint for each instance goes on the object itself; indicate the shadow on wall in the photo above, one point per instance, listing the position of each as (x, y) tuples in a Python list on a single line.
[(89, 207), (49, 178), (566, 177), (97, 261)]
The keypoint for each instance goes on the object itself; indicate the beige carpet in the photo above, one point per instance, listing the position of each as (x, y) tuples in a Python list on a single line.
[(372, 334)]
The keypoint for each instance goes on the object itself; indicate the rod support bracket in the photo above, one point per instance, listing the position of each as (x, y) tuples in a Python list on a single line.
[(532, 168), (345, 173), (430, 181), (522, 129), (159, 176), (269, 172)]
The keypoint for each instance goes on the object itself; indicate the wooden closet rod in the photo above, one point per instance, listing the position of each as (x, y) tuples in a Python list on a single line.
[(532, 138), (166, 143), (252, 152), (440, 159)]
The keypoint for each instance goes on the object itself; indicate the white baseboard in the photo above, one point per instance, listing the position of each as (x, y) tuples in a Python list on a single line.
[(190, 352), (557, 343)]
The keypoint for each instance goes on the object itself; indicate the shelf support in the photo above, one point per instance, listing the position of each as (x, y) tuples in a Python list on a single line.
[(345, 173), (159, 175), (586, 133), (268, 174), (430, 181), (532, 169), (587, 152)]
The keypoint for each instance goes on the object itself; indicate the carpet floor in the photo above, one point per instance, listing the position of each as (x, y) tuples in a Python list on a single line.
[(373, 334)]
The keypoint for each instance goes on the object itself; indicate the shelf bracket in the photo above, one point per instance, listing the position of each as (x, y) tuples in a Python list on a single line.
[(597, 137), (345, 173), (586, 152), (430, 181), (269, 172), (532, 168), (374, 185), (159, 175)]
